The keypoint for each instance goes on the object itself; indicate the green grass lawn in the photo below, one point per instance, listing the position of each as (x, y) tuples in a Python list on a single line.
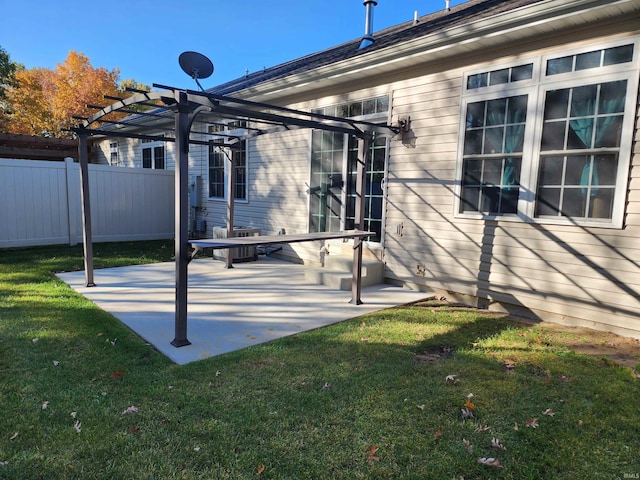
[(427, 391)]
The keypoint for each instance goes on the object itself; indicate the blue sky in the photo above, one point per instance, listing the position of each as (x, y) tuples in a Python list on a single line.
[(144, 38)]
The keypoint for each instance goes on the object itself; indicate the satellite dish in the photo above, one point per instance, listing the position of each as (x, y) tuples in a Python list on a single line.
[(196, 66)]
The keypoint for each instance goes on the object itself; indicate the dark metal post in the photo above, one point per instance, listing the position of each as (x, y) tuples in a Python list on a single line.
[(87, 237), (364, 152), (231, 197), (182, 127)]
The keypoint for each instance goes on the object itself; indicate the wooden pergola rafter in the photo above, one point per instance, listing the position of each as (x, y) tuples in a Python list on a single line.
[(175, 111)]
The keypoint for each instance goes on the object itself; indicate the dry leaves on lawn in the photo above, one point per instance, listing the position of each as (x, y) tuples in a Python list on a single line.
[(371, 454), (492, 462), (532, 423), (467, 445)]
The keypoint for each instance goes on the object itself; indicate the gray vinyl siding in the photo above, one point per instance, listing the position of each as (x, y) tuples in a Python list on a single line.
[(573, 274), (278, 171), (567, 273), (129, 153)]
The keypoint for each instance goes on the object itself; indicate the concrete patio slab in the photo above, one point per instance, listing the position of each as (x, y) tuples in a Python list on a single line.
[(228, 309)]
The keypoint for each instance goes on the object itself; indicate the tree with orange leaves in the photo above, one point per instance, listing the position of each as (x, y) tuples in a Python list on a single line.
[(45, 101), (78, 84), (30, 110)]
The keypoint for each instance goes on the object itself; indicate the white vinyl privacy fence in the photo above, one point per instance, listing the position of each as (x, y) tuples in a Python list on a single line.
[(40, 203)]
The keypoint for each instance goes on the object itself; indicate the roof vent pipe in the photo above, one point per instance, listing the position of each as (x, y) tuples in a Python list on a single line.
[(368, 24), (447, 4), (415, 17)]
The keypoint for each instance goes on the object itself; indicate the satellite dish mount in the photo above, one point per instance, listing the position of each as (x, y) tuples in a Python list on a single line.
[(196, 65)]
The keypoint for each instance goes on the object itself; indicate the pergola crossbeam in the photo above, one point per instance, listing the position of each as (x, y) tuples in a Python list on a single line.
[(178, 112)]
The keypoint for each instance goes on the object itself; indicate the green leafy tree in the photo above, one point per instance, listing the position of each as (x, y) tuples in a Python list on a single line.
[(133, 84), (8, 71)]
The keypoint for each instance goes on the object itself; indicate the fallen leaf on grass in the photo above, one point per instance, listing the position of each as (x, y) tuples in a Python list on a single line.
[(371, 454), (326, 386), (134, 430), (495, 443), (469, 404), (451, 379), (196, 449), (467, 445), (509, 364), (14, 436), (74, 414), (131, 409), (4, 464), (117, 375), (421, 407), (492, 462), (516, 427), (437, 434), (466, 413), (35, 340), (549, 413), (77, 426), (45, 404), (56, 363), (532, 423), (483, 428), (260, 469)]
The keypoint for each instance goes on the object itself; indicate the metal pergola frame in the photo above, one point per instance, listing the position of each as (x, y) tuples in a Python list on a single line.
[(175, 110)]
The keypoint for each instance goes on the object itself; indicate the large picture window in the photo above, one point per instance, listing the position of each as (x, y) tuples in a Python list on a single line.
[(493, 144), (551, 143)]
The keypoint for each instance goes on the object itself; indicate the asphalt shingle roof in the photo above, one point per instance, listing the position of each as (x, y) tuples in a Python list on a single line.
[(465, 13)]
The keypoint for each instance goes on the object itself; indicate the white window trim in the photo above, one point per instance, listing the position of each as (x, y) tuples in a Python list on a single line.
[(152, 145), (235, 132), (371, 117), (114, 147), (536, 89)]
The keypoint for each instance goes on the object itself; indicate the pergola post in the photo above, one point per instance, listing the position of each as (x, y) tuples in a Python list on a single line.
[(183, 106), (364, 154), (87, 237), (182, 128), (231, 197)]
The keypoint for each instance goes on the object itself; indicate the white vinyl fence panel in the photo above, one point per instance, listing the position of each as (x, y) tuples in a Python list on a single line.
[(40, 203)]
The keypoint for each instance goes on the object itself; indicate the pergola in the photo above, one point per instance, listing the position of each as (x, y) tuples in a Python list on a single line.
[(174, 111)]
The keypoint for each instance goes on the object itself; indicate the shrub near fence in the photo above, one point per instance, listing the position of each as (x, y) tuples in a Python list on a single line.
[(40, 203)]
